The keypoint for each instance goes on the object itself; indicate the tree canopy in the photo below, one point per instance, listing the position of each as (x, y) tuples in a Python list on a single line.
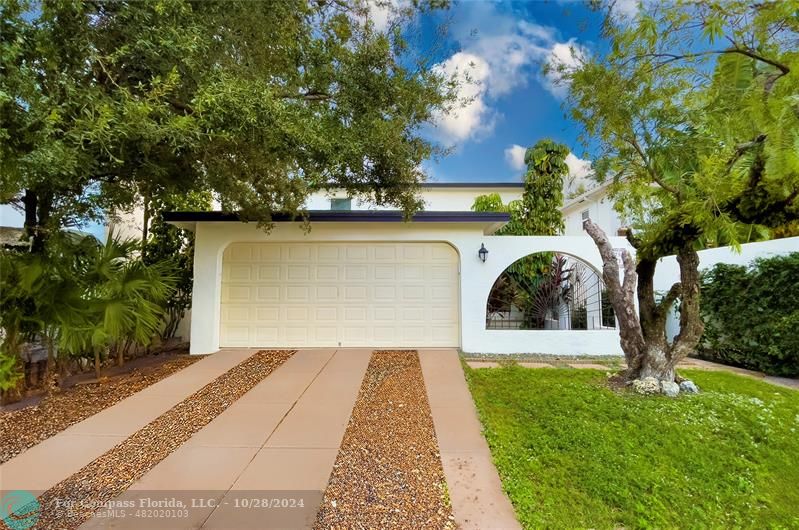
[(258, 102), (697, 120)]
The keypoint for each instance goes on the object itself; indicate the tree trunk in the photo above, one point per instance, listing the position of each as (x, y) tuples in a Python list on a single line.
[(120, 355), (51, 374), (691, 325), (96, 364), (621, 294), (643, 336), (145, 231), (38, 208)]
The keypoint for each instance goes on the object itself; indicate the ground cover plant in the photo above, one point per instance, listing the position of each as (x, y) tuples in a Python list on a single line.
[(573, 453)]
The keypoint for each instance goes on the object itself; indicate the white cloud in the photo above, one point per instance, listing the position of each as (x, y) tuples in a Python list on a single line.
[(579, 179), (471, 116), (383, 12), (562, 58), (508, 53), (514, 156), (625, 8)]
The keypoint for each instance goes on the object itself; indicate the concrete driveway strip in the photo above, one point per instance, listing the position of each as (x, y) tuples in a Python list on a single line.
[(297, 459), (44, 465), (475, 490), (279, 440)]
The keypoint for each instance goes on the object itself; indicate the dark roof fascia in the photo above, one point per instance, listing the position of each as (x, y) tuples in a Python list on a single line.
[(461, 185), (473, 185), (349, 216)]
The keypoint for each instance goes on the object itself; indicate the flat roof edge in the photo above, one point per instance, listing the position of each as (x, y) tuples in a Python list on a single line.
[(366, 216)]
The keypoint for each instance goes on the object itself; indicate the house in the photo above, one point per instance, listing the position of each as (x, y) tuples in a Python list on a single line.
[(594, 204), (363, 276)]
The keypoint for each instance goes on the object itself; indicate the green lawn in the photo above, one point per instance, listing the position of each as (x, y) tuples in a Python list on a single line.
[(574, 454)]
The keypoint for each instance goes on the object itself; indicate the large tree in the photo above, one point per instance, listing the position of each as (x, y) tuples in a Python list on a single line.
[(697, 124), (103, 102)]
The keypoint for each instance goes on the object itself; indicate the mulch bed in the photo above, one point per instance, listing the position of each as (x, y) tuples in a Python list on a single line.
[(114, 472), (26, 427), (388, 472)]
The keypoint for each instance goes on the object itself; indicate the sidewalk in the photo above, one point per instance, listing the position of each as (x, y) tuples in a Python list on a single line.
[(475, 490), (689, 363)]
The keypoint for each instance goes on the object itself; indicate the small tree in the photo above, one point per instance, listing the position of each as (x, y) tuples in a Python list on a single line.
[(532, 280)]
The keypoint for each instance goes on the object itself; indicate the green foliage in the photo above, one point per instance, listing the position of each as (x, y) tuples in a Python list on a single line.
[(168, 244), (10, 373), (696, 120), (122, 299), (80, 298), (537, 213), (539, 209), (751, 315), (572, 453), (259, 102)]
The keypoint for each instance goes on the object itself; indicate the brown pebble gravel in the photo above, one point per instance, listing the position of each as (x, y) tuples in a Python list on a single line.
[(388, 471), (24, 428), (114, 472)]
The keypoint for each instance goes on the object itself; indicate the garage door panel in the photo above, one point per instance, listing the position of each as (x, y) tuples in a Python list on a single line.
[(330, 294), (268, 272), (327, 272), (267, 293)]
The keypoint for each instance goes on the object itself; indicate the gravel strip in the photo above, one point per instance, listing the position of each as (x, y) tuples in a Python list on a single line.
[(114, 472), (388, 471), (24, 428)]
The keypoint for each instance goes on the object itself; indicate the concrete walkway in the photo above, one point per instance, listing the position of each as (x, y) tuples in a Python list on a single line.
[(44, 465), (689, 363), (278, 441), (475, 490)]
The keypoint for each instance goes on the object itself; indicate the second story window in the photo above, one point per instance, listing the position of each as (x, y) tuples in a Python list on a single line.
[(341, 204)]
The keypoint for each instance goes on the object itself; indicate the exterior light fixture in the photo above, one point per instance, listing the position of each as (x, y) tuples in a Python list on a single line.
[(483, 252)]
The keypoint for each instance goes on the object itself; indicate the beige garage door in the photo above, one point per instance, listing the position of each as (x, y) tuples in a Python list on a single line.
[(339, 294)]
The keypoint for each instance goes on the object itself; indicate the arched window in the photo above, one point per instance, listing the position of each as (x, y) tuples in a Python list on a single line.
[(549, 291)]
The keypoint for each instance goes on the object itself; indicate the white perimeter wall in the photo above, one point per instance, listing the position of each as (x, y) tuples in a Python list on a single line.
[(476, 278), (668, 271)]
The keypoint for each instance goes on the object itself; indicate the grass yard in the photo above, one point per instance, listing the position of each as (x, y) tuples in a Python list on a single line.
[(574, 454)]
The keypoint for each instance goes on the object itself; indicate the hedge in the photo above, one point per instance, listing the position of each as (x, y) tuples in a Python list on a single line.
[(751, 315)]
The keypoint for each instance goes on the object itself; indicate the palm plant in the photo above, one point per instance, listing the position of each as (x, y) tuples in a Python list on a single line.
[(123, 299)]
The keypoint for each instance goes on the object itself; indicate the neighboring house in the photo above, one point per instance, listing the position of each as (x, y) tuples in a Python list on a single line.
[(364, 277), (594, 204)]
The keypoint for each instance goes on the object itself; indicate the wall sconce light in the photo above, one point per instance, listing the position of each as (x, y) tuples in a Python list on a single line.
[(483, 252)]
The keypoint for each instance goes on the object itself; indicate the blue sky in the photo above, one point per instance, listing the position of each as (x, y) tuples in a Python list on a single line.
[(503, 46)]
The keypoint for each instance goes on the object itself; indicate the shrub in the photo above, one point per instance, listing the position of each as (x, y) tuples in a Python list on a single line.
[(751, 315)]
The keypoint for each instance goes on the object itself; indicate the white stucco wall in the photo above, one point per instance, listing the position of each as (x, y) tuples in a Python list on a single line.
[(601, 211), (476, 278), (435, 199)]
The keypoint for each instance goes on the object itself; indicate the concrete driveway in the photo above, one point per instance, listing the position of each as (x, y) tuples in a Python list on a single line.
[(277, 444)]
